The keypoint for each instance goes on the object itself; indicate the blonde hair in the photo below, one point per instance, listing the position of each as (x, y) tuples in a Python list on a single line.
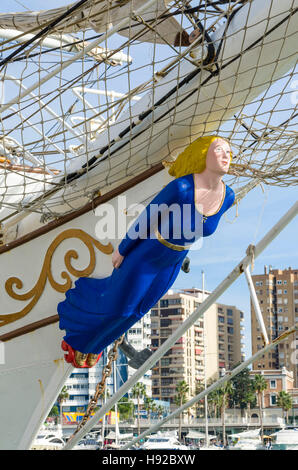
[(193, 158)]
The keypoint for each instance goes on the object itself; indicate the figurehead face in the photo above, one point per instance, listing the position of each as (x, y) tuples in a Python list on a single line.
[(207, 152), (218, 157)]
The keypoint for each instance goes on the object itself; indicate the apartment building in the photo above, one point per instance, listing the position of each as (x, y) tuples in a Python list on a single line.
[(211, 344), (277, 293), (224, 338), (139, 336), (81, 385)]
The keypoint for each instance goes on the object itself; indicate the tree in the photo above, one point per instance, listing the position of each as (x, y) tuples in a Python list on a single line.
[(125, 408), (200, 405), (180, 398), (149, 405), (259, 385), (284, 400), (63, 395), (138, 391), (54, 413), (243, 395), (214, 399), (224, 394), (160, 411)]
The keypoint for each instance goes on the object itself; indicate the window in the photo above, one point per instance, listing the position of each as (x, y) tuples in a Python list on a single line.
[(279, 291), (279, 283), (273, 400), (285, 291), (272, 383), (285, 282), (229, 312)]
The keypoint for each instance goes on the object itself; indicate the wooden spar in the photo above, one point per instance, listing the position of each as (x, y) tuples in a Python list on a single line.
[(26, 169)]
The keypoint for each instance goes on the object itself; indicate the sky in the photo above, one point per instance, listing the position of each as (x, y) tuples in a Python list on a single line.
[(221, 252)]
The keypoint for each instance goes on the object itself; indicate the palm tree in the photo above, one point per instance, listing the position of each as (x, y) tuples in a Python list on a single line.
[(159, 411), (138, 391), (63, 395), (154, 407), (259, 385), (284, 400), (200, 405), (212, 398), (180, 398), (149, 405), (224, 394)]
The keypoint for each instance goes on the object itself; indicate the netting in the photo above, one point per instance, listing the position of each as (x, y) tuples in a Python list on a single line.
[(95, 93)]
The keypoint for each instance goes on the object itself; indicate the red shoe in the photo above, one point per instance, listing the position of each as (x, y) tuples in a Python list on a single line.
[(78, 359)]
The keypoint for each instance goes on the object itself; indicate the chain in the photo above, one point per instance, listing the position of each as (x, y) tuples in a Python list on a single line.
[(100, 387)]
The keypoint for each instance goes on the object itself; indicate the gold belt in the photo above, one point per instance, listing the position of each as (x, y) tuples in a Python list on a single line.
[(169, 244)]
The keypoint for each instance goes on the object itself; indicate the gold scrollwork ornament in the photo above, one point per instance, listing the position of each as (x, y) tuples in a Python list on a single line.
[(46, 273)]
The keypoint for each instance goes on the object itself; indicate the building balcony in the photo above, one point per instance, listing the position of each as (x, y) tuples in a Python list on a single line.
[(177, 317), (74, 381), (178, 372), (177, 361), (76, 402), (78, 391)]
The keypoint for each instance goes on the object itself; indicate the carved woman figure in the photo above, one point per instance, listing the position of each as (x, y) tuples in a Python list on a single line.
[(148, 259)]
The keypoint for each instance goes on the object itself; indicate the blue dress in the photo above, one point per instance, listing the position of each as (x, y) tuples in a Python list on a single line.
[(98, 311)]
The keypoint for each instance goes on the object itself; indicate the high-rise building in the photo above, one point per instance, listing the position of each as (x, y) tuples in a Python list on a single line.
[(224, 329), (211, 344), (277, 293), (139, 336), (81, 385)]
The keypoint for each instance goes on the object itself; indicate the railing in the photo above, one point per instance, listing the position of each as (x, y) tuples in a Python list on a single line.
[(229, 421)]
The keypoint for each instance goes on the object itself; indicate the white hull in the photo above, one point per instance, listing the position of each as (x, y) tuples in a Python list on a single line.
[(34, 369)]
